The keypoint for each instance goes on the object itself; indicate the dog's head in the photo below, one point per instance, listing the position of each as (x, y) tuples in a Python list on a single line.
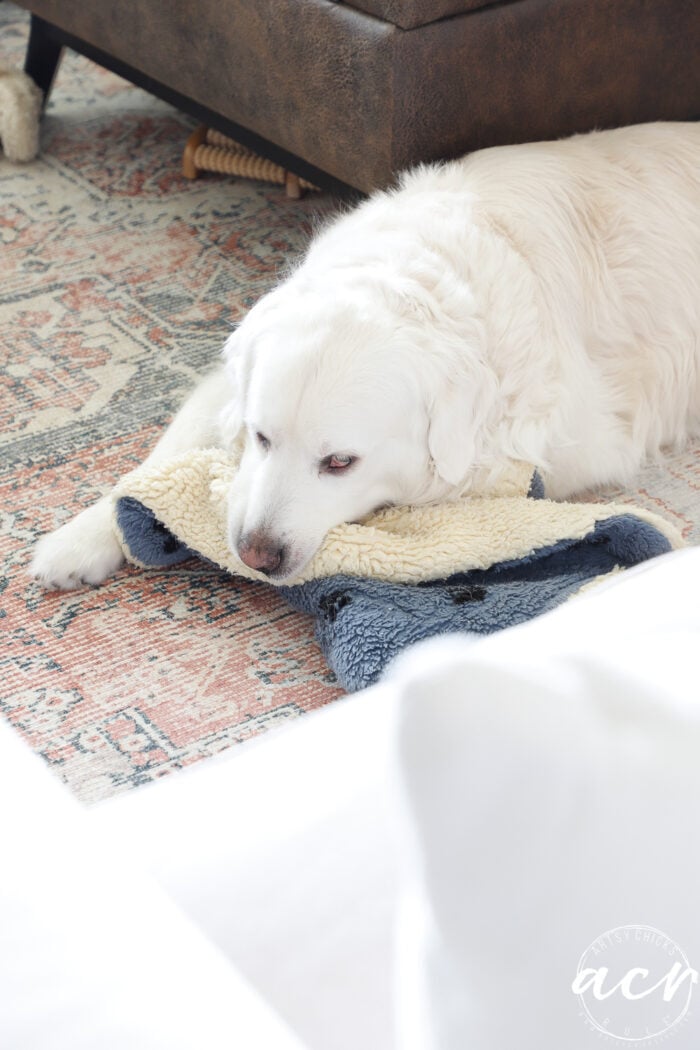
[(350, 399)]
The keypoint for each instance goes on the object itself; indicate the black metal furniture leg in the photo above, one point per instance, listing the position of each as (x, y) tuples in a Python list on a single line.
[(43, 55)]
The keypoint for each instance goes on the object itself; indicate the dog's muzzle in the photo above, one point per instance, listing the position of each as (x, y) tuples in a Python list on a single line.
[(262, 552)]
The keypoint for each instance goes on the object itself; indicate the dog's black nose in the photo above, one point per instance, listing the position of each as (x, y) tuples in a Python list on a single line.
[(261, 552)]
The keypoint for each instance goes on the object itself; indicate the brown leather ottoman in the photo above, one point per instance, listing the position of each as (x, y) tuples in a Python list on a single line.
[(357, 91)]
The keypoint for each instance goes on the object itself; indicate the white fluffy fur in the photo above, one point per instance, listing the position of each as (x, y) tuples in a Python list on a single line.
[(20, 107), (537, 302)]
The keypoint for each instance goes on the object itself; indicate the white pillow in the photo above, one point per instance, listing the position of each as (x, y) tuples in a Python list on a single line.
[(93, 956), (550, 783), (280, 850)]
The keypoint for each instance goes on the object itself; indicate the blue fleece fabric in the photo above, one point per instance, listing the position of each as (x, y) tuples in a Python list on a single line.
[(362, 624), (147, 539)]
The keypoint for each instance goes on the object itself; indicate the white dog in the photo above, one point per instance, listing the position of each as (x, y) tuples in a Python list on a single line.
[(537, 302)]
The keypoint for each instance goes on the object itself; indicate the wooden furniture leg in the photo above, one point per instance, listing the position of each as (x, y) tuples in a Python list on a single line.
[(43, 55), (209, 150)]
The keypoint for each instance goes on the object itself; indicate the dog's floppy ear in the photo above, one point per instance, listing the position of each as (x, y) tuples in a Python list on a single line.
[(450, 437), (238, 358), (458, 388), (457, 417)]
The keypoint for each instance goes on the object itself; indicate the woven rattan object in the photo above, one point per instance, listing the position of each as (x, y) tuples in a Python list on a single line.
[(208, 150)]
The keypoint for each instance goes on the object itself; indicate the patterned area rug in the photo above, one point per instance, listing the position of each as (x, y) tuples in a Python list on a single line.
[(118, 280)]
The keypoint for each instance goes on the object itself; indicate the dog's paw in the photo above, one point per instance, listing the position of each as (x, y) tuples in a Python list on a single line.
[(83, 551)]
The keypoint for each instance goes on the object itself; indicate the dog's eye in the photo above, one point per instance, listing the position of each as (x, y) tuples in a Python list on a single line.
[(336, 463), (262, 441)]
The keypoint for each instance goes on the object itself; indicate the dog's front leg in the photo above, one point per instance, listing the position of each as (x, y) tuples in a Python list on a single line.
[(85, 550)]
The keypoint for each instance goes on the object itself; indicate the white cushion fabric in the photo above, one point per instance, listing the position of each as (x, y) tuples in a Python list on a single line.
[(544, 777), (551, 778), (93, 955), (281, 851)]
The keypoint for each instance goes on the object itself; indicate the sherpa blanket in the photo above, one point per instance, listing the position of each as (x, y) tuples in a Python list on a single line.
[(405, 573)]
